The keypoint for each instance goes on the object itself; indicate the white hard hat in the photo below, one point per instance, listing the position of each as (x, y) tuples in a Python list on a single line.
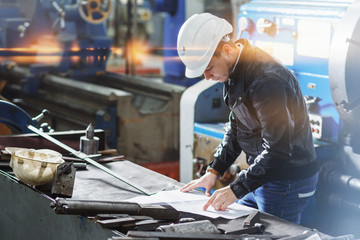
[(197, 41)]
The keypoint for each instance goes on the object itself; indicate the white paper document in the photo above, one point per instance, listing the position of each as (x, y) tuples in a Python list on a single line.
[(193, 202)]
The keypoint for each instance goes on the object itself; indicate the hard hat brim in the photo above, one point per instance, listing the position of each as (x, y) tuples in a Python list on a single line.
[(194, 73)]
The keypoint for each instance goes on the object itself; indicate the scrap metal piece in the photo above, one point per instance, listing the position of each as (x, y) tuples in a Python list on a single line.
[(144, 225), (64, 179), (204, 226), (254, 217), (110, 216), (116, 223), (305, 235), (258, 228), (88, 160), (148, 225), (142, 218), (251, 225)]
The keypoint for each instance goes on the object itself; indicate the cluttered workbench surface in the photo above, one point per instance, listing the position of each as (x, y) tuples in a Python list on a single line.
[(101, 208)]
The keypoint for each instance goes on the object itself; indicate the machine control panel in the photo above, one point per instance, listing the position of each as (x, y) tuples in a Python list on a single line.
[(320, 126)]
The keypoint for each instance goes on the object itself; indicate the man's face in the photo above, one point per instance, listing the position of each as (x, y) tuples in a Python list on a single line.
[(218, 68)]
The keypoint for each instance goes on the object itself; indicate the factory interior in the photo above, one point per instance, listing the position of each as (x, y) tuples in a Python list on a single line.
[(99, 87)]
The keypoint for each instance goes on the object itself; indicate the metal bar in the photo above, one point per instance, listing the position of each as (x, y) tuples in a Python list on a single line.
[(198, 236), (258, 228), (253, 218), (92, 208), (88, 160)]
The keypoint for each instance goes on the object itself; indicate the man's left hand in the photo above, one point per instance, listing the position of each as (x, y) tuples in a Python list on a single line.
[(221, 199)]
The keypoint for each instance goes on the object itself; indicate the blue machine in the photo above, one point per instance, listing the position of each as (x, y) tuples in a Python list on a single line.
[(77, 29), (72, 32), (14, 120), (320, 42), (299, 34), (176, 14), (77, 89)]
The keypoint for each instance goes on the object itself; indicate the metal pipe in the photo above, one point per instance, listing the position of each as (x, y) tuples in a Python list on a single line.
[(84, 207), (141, 85), (343, 181), (128, 59), (338, 200), (91, 208)]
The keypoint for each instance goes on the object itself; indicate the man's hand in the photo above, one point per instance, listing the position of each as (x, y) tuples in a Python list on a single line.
[(221, 199), (207, 181)]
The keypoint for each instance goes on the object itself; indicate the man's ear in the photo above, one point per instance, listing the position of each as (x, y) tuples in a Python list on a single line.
[(226, 48)]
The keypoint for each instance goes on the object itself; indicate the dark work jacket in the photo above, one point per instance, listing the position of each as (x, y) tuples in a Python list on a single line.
[(269, 122)]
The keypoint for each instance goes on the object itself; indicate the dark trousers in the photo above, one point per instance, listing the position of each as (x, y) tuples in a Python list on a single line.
[(285, 199)]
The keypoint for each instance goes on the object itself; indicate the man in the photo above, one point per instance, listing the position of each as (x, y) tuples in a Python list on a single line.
[(268, 121)]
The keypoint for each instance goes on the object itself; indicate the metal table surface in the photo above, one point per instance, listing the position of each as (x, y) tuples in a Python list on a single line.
[(94, 184), (97, 185), (23, 206)]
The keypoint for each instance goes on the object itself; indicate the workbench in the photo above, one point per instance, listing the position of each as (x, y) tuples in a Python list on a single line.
[(26, 213)]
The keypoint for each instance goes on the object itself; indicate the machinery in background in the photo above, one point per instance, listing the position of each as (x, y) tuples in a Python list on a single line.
[(175, 14), (61, 37), (319, 41), (54, 56), (14, 120)]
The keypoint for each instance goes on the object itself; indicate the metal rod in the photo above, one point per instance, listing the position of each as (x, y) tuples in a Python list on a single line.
[(87, 159), (198, 235)]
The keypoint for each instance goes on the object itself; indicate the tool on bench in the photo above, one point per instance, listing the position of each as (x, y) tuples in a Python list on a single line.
[(125, 222), (139, 223), (87, 159), (205, 226), (113, 216), (258, 228), (251, 225), (254, 217), (92, 208), (89, 144), (146, 225), (117, 222)]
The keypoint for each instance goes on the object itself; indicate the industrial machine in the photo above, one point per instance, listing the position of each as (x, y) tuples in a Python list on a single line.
[(50, 197), (319, 42), (176, 12), (54, 55)]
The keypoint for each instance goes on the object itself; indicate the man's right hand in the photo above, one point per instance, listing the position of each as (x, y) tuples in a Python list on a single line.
[(207, 181)]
